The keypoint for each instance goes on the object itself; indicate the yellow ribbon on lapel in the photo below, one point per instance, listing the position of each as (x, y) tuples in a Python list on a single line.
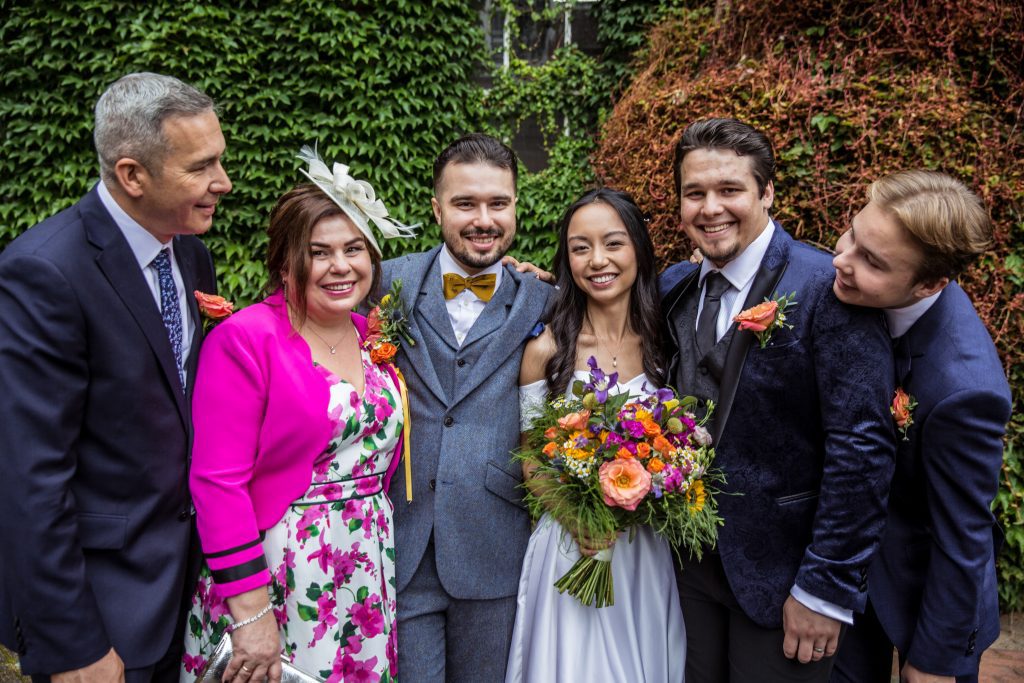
[(406, 430)]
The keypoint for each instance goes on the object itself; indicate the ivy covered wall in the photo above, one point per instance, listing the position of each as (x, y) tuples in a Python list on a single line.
[(381, 84)]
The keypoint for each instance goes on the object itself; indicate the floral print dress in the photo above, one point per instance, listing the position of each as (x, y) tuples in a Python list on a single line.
[(332, 555)]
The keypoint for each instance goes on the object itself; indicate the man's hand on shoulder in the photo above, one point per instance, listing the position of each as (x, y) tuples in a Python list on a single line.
[(809, 635), (527, 267), (910, 674), (107, 669)]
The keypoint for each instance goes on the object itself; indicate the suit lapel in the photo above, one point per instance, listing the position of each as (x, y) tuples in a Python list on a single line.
[(915, 341), (189, 268), (119, 266), (429, 322), (773, 265), (677, 316)]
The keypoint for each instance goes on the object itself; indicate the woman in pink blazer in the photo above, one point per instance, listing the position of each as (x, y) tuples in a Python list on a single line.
[(297, 432)]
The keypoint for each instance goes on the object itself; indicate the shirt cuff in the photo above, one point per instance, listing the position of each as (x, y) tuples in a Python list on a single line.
[(816, 604)]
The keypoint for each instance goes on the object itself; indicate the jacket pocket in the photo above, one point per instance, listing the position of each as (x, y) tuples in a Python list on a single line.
[(774, 351), (797, 497), (102, 532), (504, 485)]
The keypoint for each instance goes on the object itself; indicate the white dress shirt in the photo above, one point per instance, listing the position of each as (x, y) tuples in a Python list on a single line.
[(902, 319), (465, 307), (145, 247), (740, 273)]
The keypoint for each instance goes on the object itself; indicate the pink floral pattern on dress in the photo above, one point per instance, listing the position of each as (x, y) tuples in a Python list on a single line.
[(332, 556)]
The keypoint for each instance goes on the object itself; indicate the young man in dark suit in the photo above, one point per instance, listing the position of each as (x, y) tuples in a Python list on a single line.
[(801, 425), (932, 586), (99, 331)]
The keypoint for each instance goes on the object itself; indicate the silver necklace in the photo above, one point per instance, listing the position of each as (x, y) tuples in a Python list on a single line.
[(333, 347), (618, 348)]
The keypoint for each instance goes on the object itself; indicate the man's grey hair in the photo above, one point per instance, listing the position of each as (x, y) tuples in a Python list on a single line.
[(130, 117)]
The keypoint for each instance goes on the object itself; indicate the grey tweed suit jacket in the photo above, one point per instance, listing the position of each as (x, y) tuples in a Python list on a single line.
[(465, 423)]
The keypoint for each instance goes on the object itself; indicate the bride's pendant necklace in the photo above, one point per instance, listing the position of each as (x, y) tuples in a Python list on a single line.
[(333, 347), (618, 347)]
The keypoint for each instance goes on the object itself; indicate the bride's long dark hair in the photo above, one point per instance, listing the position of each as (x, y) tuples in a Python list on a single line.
[(645, 318)]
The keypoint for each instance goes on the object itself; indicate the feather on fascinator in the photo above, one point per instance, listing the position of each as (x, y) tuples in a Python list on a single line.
[(355, 197)]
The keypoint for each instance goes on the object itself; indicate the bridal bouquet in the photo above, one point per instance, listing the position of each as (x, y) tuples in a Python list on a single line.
[(608, 462)]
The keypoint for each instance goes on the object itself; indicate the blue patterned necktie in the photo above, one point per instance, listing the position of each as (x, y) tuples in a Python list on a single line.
[(169, 309)]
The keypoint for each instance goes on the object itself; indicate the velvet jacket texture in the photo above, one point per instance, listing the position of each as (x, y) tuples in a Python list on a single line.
[(465, 424), (261, 420), (803, 434), (933, 584), (94, 443)]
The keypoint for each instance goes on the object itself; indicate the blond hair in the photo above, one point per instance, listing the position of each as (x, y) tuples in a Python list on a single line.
[(946, 219)]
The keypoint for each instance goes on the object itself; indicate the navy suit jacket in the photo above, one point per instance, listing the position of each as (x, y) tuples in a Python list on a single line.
[(465, 425), (933, 584), (803, 434), (94, 443)]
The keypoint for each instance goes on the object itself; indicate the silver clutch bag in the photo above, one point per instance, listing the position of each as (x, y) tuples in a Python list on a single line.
[(214, 671)]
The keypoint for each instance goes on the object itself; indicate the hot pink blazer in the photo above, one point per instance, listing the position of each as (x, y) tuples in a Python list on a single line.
[(260, 417)]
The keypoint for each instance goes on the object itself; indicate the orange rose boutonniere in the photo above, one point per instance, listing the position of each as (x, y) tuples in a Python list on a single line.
[(902, 410), (213, 308), (766, 317)]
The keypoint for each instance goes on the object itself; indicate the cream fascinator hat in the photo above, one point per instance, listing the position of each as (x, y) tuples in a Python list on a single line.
[(355, 197)]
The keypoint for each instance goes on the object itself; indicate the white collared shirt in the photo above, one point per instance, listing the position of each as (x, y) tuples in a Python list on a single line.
[(740, 273), (902, 319), (465, 307), (145, 247)]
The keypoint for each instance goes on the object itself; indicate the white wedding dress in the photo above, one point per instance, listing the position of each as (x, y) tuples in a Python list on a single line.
[(639, 639)]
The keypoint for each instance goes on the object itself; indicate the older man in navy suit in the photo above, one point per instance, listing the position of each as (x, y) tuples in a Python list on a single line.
[(460, 542), (932, 587), (98, 334), (801, 424)]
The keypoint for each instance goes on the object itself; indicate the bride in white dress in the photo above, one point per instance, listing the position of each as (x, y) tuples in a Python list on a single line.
[(607, 307)]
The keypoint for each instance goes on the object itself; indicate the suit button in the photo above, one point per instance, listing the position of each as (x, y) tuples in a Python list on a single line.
[(449, 420), (461, 362), (183, 516), (970, 650), (702, 369), (432, 484)]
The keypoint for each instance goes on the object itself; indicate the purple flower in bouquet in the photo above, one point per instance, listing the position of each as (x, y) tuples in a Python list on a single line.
[(599, 383), (614, 440), (673, 480), (634, 428)]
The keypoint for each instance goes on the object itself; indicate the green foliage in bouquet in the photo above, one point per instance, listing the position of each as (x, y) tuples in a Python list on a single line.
[(603, 463)]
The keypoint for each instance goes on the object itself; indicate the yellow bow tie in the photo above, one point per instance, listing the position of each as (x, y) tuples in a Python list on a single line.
[(481, 285)]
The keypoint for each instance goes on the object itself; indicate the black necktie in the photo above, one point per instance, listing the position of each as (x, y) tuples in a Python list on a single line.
[(901, 354), (715, 285)]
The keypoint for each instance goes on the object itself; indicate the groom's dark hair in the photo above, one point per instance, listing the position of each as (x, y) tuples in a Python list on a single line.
[(732, 134), (477, 148)]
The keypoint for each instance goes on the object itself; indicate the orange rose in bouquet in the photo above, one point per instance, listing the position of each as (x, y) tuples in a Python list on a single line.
[(624, 482)]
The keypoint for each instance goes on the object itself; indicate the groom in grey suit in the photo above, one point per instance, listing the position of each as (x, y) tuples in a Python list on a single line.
[(460, 542)]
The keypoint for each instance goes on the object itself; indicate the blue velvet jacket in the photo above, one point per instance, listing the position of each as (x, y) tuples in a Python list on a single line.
[(803, 434)]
